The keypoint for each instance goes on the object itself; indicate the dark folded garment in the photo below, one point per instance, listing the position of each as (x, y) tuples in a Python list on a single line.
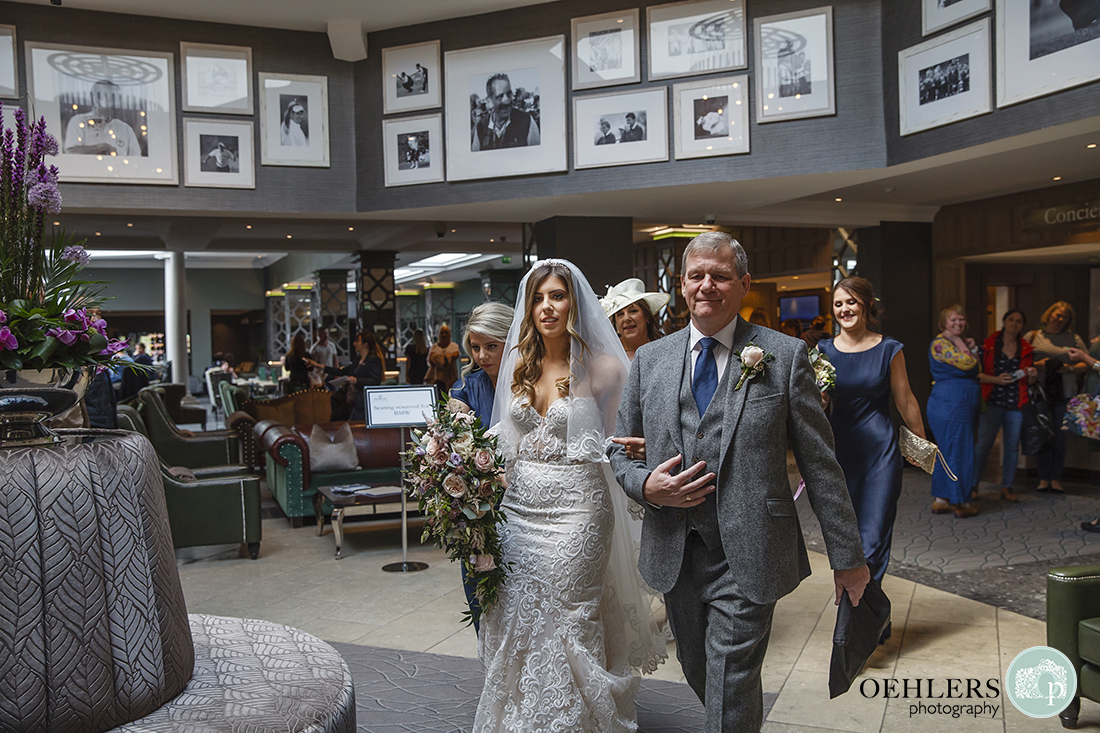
[(857, 634)]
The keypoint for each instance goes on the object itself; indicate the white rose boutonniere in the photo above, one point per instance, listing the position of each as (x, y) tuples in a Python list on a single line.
[(753, 361)]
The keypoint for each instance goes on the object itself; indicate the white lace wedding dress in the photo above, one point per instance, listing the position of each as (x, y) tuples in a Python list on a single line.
[(561, 646)]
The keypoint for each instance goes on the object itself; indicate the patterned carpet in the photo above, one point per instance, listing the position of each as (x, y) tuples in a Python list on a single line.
[(999, 557), (416, 692)]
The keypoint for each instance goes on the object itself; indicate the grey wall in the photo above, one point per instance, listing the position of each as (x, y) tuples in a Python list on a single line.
[(278, 189), (901, 29), (851, 140), (143, 290)]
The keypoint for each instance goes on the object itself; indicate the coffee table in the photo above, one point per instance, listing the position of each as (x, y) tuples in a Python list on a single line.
[(350, 505)]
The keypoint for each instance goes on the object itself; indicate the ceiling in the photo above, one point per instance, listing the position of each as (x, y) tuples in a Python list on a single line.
[(300, 15)]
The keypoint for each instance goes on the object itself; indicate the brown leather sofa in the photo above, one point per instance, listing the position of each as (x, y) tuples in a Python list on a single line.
[(306, 407), (286, 450)]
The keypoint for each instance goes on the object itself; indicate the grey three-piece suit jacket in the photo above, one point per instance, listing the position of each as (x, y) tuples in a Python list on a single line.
[(756, 516)]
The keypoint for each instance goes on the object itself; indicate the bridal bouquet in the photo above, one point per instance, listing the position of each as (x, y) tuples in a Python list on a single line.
[(824, 371), (456, 472)]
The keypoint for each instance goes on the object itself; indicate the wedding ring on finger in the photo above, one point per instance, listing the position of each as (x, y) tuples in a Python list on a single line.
[(689, 497)]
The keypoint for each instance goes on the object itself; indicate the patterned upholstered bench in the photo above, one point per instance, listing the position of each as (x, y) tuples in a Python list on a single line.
[(257, 676)]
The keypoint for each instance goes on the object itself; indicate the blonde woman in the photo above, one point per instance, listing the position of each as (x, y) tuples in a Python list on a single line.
[(484, 343), (1058, 374), (572, 623)]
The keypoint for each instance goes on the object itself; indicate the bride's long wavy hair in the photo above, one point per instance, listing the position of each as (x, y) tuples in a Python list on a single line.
[(530, 345)]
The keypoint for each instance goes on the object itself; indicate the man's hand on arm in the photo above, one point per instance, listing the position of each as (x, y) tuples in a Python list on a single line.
[(663, 489), (853, 581)]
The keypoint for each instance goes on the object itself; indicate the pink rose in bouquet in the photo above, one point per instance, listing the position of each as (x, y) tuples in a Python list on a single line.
[(484, 563), (455, 485), (483, 460)]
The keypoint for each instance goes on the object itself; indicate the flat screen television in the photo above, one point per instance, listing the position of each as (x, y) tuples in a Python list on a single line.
[(802, 307)]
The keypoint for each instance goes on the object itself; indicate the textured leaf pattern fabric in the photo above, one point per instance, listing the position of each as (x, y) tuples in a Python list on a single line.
[(257, 676), (93, 626)]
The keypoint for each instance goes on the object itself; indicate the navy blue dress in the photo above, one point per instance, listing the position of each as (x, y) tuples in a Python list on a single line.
[(478, 392), (867, 443)]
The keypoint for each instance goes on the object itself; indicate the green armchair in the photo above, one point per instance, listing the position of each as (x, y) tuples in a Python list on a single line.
[(220, 505), (232, 396), (177, 448), (1073, 628)]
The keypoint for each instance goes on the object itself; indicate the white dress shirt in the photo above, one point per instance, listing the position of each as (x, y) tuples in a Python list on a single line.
[(721, 351)]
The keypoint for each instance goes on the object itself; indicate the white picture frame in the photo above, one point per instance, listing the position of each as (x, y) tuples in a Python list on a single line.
[(218, 153), (794, 65), (696, 37), (216, 79), (533, 71), (131, 94), (9, 65), (936, 16), (620, 128), (413, 149), (945, 79), (294, 145), (606, 49), (711, 117), (1054, 58), (410, 77)]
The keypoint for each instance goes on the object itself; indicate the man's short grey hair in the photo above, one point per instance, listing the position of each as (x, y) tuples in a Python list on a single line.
[(496, 77), (715, 242)]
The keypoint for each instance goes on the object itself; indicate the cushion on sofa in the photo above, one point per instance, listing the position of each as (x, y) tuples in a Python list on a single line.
[(1089, 640), (337, 454)]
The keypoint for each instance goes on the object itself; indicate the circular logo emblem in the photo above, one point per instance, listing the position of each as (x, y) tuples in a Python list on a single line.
[(1040, 682)]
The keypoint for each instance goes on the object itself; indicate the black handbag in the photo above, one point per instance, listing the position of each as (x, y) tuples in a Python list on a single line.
[(1036, 430), (856, 636)]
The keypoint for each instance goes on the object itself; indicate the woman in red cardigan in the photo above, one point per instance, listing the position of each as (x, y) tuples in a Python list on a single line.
[(1006, 371)]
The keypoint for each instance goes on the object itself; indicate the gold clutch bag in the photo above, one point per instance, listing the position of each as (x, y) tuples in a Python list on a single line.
[(924, 452)]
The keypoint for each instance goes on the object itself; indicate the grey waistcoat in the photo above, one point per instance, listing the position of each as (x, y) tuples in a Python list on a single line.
[(703, 518)]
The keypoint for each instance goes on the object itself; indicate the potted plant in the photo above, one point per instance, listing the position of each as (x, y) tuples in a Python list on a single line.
[(52, 341)]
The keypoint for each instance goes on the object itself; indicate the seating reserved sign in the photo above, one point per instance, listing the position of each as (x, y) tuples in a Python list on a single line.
[(399, 406)]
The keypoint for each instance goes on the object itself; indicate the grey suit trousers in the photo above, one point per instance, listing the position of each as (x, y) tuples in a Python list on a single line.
[(708, 612)]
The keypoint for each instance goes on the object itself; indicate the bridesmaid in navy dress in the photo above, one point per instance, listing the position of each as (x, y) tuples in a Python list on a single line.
[(870, 371)]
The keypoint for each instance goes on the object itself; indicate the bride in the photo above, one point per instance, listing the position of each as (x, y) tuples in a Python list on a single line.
[(572, 624)]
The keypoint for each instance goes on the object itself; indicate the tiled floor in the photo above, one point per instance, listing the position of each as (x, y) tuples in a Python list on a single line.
[(937, 635)]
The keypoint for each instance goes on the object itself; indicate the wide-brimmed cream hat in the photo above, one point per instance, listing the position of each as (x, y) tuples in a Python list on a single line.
[(630, 291)]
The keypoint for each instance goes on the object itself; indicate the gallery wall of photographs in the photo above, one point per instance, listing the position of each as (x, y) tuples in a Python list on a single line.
[(666, 82), (505, 110), (114, 112)]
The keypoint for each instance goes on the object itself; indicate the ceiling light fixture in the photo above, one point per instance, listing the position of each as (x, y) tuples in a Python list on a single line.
[(97, 234), (289, 237), (1057, 178), (129, 223), (1091, 146), (247, 226), (838, 199), (351, 229)]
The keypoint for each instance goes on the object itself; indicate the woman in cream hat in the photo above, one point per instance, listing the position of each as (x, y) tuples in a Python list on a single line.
[(632, 311)]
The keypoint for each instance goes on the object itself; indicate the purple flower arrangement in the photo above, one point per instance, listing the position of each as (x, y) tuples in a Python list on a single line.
[(48, 315), (456, 472)]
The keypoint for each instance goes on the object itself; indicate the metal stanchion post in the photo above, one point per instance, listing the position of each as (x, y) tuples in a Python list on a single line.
[(404, 566)]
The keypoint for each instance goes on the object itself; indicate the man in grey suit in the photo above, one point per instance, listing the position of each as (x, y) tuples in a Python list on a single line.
[(721, 538)]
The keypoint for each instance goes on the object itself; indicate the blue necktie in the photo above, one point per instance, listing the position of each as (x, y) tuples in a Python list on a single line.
[(706, 375)]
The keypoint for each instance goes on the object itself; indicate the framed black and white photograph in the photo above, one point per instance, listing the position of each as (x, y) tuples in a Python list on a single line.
[(939, 14), (711, 117), (413, 147), (946, 79), (696, 37), (218, 154), (9, 76), (794, 65), (606, 50), (410, 77), (1045, 46), (505, 109), (112, 110), (294, 120), (216, 78), (623, 128)]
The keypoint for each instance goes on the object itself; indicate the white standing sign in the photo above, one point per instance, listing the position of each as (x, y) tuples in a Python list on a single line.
[(399, 406)]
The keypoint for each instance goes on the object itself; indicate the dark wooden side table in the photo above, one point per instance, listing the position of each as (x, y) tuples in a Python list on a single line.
[(350, 505)]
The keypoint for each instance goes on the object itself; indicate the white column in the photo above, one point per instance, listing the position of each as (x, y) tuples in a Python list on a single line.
[(175, 316)]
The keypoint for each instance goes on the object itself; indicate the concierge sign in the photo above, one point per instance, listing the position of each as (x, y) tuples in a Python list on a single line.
[(399, 406), (1083, 215)]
